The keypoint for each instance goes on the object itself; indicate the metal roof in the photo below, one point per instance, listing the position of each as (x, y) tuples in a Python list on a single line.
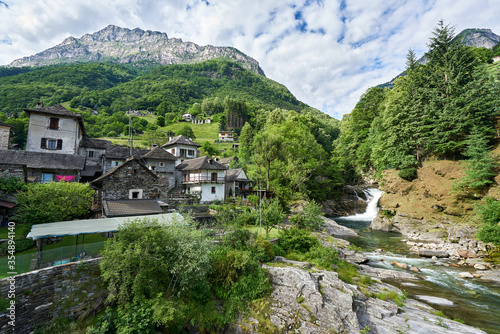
[(88, 226)]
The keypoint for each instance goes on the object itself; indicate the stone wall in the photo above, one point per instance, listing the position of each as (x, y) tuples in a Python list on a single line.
[(74, 290), (12, 170), (4, 137)]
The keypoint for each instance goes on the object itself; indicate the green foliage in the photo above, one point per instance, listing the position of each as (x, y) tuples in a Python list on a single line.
[(481, 166), (297, 240), (408, 174), (272, 214), (52, 202), (11, 184), (209, 149), (489, 213), (187, 131), (148, 261)]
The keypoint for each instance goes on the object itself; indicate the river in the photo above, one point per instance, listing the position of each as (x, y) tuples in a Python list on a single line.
[(475, 302)]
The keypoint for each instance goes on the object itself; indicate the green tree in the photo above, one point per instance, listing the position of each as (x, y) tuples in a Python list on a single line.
[(246, 140), (209, 149), (272, 214), (163, 267), (52, 202), (489, 212), (481, 166), (160, 121), (186, 131)]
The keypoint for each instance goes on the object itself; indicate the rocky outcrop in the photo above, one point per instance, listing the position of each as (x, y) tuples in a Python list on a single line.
[(348, 201), (317, 301), (121, 45), (336, 230)]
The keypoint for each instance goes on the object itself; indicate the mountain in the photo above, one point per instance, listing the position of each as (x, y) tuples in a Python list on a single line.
[(120, 45), (480, 38)]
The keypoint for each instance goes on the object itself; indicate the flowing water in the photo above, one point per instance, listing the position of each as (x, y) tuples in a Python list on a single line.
[(475, 302)]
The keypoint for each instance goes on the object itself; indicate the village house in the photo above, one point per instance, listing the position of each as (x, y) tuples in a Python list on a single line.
[(237, 184), (203, 176), (130, 189), (182, 147), (162, 163), (94, 151), (54, 129), (4, 135), (117, 155), (226, 136)]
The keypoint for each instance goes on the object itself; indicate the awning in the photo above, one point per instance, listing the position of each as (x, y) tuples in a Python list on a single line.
[(88, 226), (131, 207)]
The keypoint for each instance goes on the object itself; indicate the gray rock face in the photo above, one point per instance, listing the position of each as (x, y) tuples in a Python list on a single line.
[(332, 228), (305, 301), (121, 45), (351, 200)]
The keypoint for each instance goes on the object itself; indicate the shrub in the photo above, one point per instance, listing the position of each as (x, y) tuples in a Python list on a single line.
[(408, 174), (297, 240), (112, 134), (490, 216)]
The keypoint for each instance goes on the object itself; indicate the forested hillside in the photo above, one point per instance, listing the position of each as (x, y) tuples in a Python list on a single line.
[(440, 109)]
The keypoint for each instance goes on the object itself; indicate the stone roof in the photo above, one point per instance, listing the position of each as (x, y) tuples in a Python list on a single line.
[(58, 110), (181, 140), (159, 154), (122, 152), (131, 207), (227, 161), (202, 163), (43, 160), (232, 175), (91, 170), (88, 142), (5, 124), (117, 168)]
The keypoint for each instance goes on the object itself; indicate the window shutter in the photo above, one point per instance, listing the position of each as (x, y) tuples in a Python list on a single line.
[(59, 144), (43, 143)]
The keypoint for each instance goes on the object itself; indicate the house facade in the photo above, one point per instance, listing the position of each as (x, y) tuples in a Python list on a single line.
[(4, 135), (117, 155), (237, 184), (203, 176), (162, 163), (182, 147), (226, 136), (54, 129)]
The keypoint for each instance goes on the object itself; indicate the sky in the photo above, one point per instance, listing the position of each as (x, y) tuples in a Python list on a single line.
[(327, 53)]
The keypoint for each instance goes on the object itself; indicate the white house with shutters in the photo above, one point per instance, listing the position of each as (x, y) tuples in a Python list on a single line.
[(182, 147), (203, 176), (54, 129)]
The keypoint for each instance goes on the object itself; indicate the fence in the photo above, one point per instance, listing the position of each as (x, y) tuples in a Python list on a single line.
[(51, 257)]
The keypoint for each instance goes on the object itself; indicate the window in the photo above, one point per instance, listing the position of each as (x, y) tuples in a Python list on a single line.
[(135, 194), (173, 151), (162, 164), (213, 190), (51, 144), (115, 163), (91, 154), (151, 167), (214, 177), (47, 177), (190, 153), (53, 123)]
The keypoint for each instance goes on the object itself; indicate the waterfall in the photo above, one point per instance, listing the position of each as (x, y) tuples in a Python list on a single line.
[(373, 196)]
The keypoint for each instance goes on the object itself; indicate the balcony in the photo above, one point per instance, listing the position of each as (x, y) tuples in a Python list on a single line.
[(190, 180)]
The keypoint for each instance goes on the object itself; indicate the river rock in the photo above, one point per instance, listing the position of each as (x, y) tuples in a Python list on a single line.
[(480, 266), (399, 265), (300, 264), (332, 228), (466, 253), (415, 269), (352, 256), (431, 253), (319, 302), (435, 300), (386, 273), (491, 275), (465, 274)]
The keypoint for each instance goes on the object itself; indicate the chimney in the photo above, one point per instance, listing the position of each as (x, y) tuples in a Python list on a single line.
[(154, 146), (39, 105)]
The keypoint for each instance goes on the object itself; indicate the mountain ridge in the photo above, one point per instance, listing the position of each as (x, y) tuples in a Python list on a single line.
[(122, 45)]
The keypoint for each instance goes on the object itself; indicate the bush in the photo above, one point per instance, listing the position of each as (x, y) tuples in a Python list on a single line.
[(297, 240), (112, 134), (408, 174), (490, 216)]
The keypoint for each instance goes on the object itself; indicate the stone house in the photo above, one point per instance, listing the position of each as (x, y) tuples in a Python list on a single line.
[(162, 163), (204, 176), (54, 129), (117, 155), (130, 180), (44, 167), (182, 147), (94, 151), (4, 135), (237, 184)]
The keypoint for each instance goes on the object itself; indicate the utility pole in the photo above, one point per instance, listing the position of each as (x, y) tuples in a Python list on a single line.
[(130, 135)]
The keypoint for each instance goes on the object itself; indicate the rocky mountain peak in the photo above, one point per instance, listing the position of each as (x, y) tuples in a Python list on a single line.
[(123, 45)]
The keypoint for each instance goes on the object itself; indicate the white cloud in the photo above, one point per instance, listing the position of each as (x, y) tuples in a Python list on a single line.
[(326, 52)]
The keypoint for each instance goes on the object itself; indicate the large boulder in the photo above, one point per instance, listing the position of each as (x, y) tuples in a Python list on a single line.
[(336, 230)]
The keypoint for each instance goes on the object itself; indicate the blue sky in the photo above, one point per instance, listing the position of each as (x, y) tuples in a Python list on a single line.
[(327, 53)]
